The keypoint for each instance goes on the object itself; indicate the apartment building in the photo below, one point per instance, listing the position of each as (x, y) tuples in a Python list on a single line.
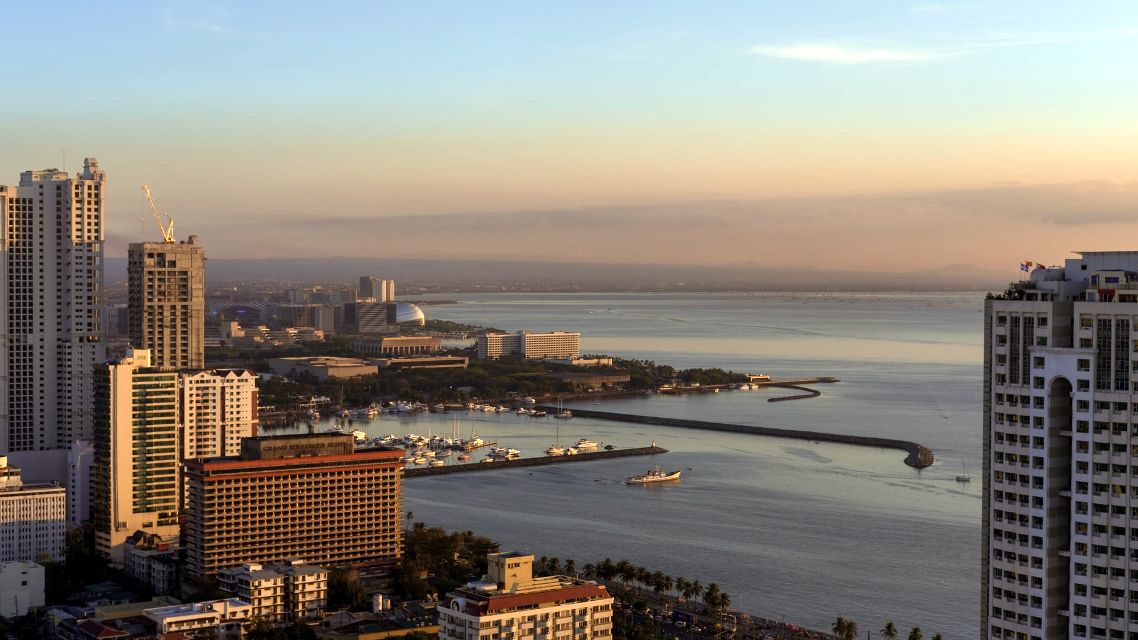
[(312, 497), (51, 284), (22, 586), (214, 619), (218, 409), (1060, 502), (33, 518), (166, 302), (511, 604), (530, 345), (137, 462), (291, 590)]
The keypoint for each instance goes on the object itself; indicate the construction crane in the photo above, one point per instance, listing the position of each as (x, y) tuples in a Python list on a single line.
[(167, 230)]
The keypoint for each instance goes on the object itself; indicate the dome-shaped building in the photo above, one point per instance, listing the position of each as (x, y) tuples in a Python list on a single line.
[(407, 313)]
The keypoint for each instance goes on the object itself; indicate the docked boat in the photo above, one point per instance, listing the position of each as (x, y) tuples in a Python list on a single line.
[(464, 456), (655, 475), (555, 450), (420, 460), (609, 447), (436, 463), (963, 477), (360, 436), (528, 401), (522, 411), (564, 414), (586, 444), (538, 413)]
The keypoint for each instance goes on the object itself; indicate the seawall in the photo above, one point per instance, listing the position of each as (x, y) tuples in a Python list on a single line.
[(918, 456), (532, 462)]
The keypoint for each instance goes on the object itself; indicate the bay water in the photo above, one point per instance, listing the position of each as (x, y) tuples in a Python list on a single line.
[(790, 529)]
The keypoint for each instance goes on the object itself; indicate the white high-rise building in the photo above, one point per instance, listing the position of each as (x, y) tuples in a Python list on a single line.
[(530, 345), (218, 408), (51, 282), (33, 518), (1060, 511)]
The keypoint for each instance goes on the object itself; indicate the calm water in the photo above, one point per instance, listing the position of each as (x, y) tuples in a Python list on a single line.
[(789, 529)]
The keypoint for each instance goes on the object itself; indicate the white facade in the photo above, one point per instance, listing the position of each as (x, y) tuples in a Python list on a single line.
[(80, 456), (530, 345), (1061, 453), (33, 518), (218, 408), (51, 282), (511, 604), (220, 616), (21, 588), (291, 590)]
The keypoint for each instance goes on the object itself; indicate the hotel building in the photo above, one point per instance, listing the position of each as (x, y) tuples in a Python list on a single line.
[(511, 604), (312, 497), (530, 345), (33, 518), (51, 281), (1060, 501), (166, 303)]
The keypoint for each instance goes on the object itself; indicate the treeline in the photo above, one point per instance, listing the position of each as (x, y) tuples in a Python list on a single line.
[(646, 374), (659, 583)]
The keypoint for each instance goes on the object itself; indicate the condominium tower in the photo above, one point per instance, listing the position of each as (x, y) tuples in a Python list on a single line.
[(530, 345), (149, 421), (166, 302), (33, 518), (51, 281), (1060, 502)]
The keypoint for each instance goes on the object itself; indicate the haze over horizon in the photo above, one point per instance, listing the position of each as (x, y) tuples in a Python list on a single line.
[(897, 137)]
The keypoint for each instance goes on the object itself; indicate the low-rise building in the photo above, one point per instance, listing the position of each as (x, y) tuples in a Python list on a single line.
[(33, 518), (396, 345), (290, 590), (423, 362), (530, 345), (213, 619), (152, 560), (511, 603), (21, 588), (323, 367)]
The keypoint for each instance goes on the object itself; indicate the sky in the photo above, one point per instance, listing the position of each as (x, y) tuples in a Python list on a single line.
[(867, 135)]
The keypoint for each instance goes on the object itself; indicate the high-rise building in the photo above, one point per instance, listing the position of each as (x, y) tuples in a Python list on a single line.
[(511, 602), (311, 497), (137, 459), (51, 284), (369, 288), (33, 518), (218, 409), (166, 302), (149, 420), (1060, 501)]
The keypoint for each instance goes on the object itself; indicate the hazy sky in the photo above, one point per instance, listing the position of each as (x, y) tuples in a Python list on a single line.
[(870, 135)]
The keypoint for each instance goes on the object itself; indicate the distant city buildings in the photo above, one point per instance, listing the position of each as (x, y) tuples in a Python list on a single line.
[(530, 345), (1060, 417), (50, 306), (322, 367), (33, 518), (511, 602), (310, 497), (166, 307)]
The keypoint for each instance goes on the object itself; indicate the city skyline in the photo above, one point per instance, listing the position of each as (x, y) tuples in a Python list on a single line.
[(854, 137)]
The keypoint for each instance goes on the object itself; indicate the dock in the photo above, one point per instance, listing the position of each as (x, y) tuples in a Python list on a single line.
[(532, 462), (919, 456)]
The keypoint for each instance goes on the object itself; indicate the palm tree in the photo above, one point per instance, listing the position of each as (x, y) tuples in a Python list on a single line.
[(626, 571), (590, 570), (938, 637), (682, 585), (542, 566), (844, 628), (657, 582), (554, 566), (643, 576), (606, 570), (695, 590), (889, 632), (668, 583), (915, 634), (714, 599), (570, 567)]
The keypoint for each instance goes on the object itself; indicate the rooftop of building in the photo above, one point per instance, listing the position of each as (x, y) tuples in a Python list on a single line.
[(481, 598), (191, 608)]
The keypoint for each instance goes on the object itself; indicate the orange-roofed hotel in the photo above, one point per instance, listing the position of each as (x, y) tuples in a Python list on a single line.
[(511, 604), (313, 497)]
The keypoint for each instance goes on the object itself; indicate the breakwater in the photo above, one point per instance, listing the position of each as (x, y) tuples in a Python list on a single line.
[(918, 456), (533, 462), (807, 392)]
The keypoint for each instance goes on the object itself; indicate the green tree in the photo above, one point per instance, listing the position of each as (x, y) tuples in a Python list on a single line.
[(889, 632), (570, 567), (938, 637), (345, 590), (590, 570), (915, 634), (714, 599), (844, 628)]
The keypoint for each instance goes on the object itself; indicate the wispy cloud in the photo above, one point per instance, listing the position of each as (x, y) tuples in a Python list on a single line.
[(215, 20), (838, 54)]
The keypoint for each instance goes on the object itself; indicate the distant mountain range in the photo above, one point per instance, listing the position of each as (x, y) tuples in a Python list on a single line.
[(473, 275)]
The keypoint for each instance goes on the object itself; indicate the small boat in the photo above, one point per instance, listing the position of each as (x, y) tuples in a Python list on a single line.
[(538, 413), (586, 444), (436, 463), (360, 436), (572, 451), (555, 450), (528, 401), (522, 411), (464, 456), (488, 459), (655, 475), (744, 387), (963, 477), (609, 447), (420, 460), (439, 408), (564, 414)]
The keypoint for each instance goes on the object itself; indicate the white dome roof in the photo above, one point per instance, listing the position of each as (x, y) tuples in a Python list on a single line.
[(407, 313)]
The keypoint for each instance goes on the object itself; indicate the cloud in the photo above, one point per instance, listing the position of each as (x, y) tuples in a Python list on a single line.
[(838, 54), (213, 20)]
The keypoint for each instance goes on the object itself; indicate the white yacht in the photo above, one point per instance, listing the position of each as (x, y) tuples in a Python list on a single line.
[(586, 444), (655, 475)]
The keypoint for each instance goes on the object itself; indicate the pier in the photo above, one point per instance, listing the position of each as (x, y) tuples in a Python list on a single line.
[(532, 462), (918, 456)]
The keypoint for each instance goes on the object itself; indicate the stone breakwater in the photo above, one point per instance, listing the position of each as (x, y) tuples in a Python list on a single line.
[(532, 462), (918, 456)]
